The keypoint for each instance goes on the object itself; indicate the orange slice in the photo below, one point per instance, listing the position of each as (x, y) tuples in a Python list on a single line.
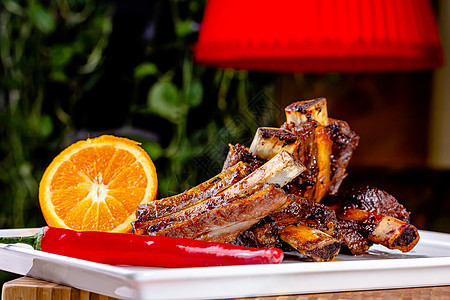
[(97, 184)]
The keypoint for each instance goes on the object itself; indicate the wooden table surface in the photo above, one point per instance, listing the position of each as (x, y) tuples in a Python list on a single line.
[(26, 288)]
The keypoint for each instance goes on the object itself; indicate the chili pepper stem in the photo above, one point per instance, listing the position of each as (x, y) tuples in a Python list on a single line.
[(32, 240)]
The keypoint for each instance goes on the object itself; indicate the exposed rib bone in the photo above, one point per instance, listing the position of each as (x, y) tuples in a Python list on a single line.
[(281, 169), (166, 206), (305, 111), (270, 141), (395, 234), (311, 242)]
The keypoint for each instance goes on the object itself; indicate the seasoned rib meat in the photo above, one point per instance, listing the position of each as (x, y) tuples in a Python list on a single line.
[(308, 119), (373, 200), (309, 227), (279, 170), (166, 206), (351, 237), (225, 223), (328, 145), (304, 225), (268, 195), (307, 154), (323, 145), (303, 211), (384, 230), (153, 225), (239, 153), (344, 142), (264, 234), (376, 216), (314, 152), (311, 242)]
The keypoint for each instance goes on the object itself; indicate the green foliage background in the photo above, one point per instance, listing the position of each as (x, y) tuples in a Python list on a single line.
[(54, 58)]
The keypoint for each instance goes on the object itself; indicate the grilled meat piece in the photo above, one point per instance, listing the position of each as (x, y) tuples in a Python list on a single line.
[(314, 152), (311, 242), (322, 144), (372, 214), (166, 206), (307, 154), (327, 146), (349, 233), (326, 153), (384, 230), (303, 211), (264, 234), (225, 223), (310, 226), (309, 120), (395, 234), (279, 170), (373, 200), (153, 225), (344, 142), (239, 153)]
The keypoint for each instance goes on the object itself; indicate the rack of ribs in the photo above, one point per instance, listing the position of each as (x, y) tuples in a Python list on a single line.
[(224, 213), (283, 191)]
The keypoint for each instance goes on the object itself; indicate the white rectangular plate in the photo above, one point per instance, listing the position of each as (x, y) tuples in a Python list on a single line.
[(428, 264)]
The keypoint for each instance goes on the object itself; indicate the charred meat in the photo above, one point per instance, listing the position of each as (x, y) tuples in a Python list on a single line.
[(283, 192), (230, 211), (166, 206), (301, 225), (376, 216), (238, 153)]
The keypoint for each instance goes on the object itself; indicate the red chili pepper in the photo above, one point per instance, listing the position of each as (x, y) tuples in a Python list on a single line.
[(144, 250)]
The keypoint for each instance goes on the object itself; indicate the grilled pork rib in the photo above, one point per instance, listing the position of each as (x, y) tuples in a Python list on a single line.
[(166, 206), (239, 153), (198, 219), (344, 142), (376, 216), (153, 225), (311, 242), (309, 120), (279, 170), (283, 192), (302, 225), (327, 146), (225, 223)]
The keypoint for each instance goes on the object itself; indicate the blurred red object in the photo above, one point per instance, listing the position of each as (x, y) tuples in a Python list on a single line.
[(317, 36)]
